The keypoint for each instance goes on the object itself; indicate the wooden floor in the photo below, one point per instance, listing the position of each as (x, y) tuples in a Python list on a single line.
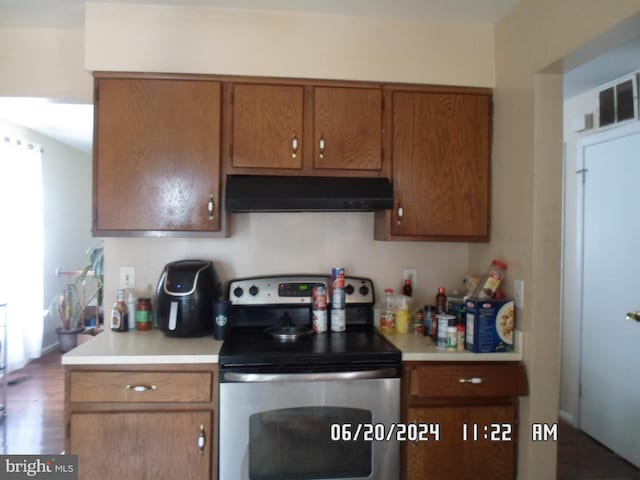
[(35, 425), (35, 408)]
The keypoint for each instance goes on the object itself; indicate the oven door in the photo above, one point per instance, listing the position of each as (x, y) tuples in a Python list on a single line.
[(302, 426)]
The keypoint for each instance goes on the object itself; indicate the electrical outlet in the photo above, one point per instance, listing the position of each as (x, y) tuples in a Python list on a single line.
[(518, 293), (411, 273), (127, 277)]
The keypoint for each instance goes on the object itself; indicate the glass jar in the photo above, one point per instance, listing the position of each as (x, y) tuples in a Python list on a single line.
[(143, 314)]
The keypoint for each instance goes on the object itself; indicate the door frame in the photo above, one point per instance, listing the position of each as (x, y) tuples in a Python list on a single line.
[(632, 127)]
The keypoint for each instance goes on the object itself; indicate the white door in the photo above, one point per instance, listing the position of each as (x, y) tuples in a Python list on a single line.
[(610, 352)]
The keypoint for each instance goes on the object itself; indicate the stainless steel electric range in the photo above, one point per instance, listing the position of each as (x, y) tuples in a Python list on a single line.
[(292, 400)]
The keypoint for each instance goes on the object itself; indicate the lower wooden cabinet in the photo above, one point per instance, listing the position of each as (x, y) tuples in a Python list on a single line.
[(474, 408), (144, 422)]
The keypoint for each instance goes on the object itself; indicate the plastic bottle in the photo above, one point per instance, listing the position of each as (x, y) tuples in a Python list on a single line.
[(491, 280), (402, 314), (388, 316), (441, 301), (131, 307)]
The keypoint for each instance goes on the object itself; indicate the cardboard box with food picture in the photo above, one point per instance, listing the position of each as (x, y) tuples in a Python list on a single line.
[(490, 325)]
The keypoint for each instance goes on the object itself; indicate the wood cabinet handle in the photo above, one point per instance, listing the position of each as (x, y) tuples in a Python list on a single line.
[(400, 214), (140, 388), (211, 206), (322, 145), (294, 146), (201, 440), (472, 380)]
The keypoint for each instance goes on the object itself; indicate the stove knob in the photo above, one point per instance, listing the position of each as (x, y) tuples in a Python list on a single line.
[(253, 290), (238, 292), (348, 289), (364, 290)]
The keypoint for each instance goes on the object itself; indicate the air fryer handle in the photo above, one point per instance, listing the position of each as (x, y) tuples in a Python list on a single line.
[(173, 316)]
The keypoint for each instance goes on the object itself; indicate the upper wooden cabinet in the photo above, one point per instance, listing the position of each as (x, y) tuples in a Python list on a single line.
[(441, 157), (267, 126), (156, 156), (347, 129), (305, 129)]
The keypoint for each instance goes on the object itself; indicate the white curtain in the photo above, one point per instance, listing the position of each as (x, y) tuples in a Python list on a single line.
[(21, 248)]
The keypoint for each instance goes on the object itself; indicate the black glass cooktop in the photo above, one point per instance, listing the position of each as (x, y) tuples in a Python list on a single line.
[(354, 347)]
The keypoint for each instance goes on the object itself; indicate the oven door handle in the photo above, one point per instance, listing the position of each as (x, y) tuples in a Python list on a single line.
[(310, 377)]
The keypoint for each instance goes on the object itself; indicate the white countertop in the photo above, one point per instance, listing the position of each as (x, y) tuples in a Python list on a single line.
[(147, 347), (154, 347), (419, 348)]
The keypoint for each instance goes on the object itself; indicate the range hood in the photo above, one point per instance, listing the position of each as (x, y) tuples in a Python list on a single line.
[(264, 193)]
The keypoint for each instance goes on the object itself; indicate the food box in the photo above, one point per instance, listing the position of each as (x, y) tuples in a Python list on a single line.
[(490, 325)]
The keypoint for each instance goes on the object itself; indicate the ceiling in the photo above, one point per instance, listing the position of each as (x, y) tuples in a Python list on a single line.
[(73, 124), (70, 13)]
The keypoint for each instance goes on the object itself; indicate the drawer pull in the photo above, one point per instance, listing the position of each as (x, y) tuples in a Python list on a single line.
[(201, 440), (210, 207), (473, 380), (140, 388)]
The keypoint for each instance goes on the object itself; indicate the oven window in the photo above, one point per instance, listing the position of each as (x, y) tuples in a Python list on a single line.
[(295, 443)]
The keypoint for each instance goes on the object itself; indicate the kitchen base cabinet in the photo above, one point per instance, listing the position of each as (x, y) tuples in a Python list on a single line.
[(139, 445), (143, 422), (474, 409)]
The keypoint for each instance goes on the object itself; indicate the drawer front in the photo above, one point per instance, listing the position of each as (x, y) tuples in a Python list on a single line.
[(466, 380), (184, 387)]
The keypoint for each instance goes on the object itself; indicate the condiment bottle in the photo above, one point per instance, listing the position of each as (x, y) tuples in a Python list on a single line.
[(407, 289), (441, 301), (120, 313), (402, 315), (491, 280)]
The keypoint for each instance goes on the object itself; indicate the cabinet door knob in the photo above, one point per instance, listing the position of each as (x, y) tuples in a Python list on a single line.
[(322, 145), (141, 388), (294, 146), (472, 380), (210, 206), (201, 440), (634, 316)]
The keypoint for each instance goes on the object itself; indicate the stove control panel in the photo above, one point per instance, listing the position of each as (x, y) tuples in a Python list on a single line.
[(295, 290)]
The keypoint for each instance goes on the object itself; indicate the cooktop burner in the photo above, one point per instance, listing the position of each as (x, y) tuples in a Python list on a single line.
[(259, 305)]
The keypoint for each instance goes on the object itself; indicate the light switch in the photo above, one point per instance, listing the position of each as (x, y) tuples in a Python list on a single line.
[(127, 277)]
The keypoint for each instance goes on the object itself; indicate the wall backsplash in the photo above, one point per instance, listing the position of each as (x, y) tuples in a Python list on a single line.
[(269, 243)]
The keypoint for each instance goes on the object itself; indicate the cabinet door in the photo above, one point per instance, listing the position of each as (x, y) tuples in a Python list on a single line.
[(347, 128), (142, 446), (441, 165), (267, 126), (487, 453), (157, 155)]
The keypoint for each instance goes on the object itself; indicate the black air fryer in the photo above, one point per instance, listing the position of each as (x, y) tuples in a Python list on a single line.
[(184, 298)]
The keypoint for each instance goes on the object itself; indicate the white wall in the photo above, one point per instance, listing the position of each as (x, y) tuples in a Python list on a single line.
[(66, 179)]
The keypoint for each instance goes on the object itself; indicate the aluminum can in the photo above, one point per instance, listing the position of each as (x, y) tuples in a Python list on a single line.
[(443, 325), (319, 318), (319, 297), (338, 320), (337, 277), (338, 298)]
